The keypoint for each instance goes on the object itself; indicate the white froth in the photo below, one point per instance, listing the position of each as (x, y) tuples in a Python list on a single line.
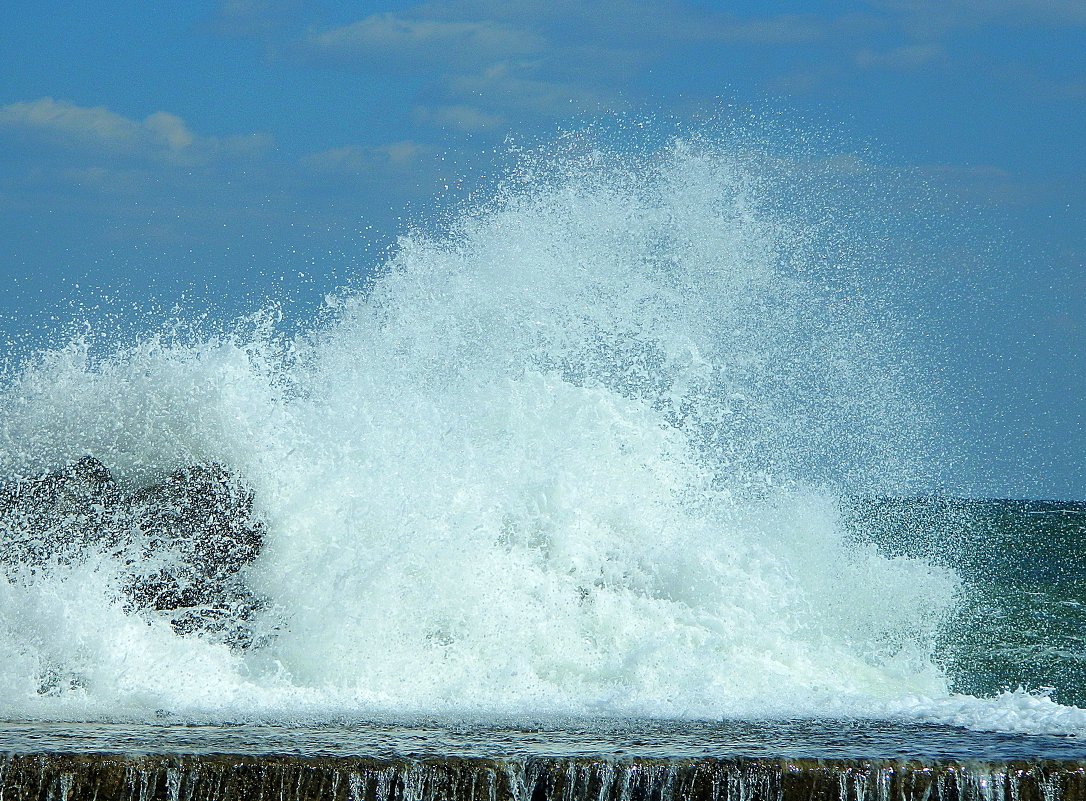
[(579, 455)]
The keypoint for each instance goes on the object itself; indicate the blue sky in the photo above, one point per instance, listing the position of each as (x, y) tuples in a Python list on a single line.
[(237, 151)]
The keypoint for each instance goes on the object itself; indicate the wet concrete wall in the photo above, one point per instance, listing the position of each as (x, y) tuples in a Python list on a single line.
[(92, 777)]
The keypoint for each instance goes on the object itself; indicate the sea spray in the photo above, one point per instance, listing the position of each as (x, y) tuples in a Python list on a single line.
[(582, 453)]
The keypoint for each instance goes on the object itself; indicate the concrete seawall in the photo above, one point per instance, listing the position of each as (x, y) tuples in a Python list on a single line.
[(219, 777)]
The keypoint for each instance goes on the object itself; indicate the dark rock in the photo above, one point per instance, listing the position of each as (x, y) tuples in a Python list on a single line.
[(57, 514), (182, 542)]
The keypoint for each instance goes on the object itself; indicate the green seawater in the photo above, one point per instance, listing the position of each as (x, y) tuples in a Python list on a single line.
[(1021, 621)]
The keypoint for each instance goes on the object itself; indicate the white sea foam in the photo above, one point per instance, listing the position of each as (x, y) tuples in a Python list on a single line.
[(580, 454)]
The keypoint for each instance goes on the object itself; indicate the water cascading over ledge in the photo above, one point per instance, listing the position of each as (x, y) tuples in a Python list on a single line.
[(75, 777)]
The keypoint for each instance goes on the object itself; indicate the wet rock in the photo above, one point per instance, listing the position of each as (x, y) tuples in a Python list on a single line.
[(57, 514), (181, 544)]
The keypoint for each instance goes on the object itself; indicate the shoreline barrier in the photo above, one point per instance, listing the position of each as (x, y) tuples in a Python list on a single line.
[(229, 777)]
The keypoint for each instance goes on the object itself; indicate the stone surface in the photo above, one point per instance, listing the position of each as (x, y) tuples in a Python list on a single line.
[(75, 777), (183, 541)]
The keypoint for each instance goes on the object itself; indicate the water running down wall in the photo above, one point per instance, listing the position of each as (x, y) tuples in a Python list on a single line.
[(239, 778)]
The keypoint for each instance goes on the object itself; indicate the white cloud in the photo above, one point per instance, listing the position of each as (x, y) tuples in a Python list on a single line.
[(358, 160), (171, 129), (515, 86), (493, 62), (640, 21), (78, 124), (460, 116), (159, 136), (488, 64), (402, 153), (390, 37)]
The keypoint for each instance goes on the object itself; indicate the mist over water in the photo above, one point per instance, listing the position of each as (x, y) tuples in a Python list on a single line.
[(584, 452)]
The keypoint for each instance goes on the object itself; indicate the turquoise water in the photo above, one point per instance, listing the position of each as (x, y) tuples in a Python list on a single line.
[(1022, 619)]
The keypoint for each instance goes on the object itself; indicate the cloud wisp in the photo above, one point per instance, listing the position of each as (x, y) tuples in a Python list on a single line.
[(396, 40), (161, 136)]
